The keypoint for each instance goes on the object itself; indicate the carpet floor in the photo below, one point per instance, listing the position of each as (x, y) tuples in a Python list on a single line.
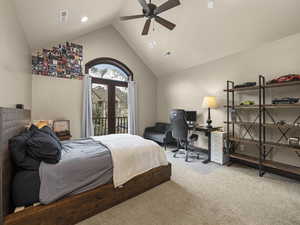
[(213, 195)]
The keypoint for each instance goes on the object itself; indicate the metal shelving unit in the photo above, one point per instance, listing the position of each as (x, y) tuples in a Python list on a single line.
[(260, 144)]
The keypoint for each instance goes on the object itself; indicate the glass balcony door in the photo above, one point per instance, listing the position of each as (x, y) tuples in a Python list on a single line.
[(121, 107), (109, 96), (100, 108), (110, 108)]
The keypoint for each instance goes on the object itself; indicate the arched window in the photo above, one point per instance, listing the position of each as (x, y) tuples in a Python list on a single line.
[(109, 95), (108, 68)]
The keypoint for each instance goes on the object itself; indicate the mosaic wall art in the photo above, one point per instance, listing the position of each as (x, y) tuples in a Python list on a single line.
[(63, 61)]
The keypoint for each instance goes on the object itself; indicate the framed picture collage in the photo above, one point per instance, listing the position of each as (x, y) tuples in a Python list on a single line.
[(63, 61)]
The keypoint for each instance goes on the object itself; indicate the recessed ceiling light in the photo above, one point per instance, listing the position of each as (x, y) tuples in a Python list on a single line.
[(84, 19), (152, 44), (211, 4)]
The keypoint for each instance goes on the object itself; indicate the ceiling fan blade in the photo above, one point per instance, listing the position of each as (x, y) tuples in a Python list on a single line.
[(144, 5), (146, 27), (166, 6), (131, 17), (165, 23)]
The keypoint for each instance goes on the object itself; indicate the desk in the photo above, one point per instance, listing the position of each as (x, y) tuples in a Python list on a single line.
[(207, 132)]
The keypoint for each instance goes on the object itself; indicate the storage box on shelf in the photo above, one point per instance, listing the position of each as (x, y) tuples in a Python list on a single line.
[(262, 145)]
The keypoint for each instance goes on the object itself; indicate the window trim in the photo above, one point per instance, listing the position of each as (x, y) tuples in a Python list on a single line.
[(111, 61), (111, 84)]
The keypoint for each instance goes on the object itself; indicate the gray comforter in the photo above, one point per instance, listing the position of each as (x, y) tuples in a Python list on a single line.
[(85, 164)]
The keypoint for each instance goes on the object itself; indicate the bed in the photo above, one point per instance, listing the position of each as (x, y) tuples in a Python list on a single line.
[(69, 210)]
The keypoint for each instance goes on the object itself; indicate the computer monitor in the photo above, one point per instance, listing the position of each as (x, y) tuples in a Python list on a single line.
[(191, 116)]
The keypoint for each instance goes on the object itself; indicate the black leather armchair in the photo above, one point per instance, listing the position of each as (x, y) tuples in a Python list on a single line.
[(161, 133)]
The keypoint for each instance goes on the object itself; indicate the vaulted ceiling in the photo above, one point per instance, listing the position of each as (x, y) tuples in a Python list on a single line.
[(201, 35), (40, 18)]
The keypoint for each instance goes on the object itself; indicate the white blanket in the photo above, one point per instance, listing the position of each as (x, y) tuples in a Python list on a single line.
[(132, 155)]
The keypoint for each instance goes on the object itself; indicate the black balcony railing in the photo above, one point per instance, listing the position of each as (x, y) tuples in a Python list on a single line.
[(121, 125), (101, 125)]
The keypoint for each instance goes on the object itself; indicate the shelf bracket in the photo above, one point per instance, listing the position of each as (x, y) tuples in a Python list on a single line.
[(269, 152), (248, 129)]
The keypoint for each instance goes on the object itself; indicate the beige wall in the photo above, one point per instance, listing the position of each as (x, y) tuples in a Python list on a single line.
[(54, 98), (105, 42), (186, 89), (15, 59)]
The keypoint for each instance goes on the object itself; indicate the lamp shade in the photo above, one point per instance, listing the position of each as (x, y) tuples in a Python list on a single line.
[(210, 102)]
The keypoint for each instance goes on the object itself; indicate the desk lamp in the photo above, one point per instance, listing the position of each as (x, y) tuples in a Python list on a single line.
[(209, 102)]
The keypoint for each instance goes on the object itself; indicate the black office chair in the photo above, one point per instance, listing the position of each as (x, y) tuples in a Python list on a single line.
[(180, 131)]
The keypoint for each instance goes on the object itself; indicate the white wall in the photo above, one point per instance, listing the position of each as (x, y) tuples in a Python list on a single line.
[(105, 42), (15, 59), (187, 88)]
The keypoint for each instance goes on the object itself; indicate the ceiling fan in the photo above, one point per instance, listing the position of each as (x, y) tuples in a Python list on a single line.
[(151, 11)]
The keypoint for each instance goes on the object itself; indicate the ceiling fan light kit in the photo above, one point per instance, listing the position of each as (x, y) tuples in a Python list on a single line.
[(151, 11)]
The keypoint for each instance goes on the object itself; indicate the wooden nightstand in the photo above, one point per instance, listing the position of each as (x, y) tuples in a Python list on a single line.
[(65, 138), (62, 129)]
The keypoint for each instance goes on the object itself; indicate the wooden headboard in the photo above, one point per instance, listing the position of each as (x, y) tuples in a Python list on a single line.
[(12, 122)]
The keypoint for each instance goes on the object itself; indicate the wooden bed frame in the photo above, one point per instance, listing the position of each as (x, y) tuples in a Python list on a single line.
[(70, 210)]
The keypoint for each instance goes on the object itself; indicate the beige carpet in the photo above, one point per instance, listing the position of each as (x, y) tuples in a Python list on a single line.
[(226, 196)]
